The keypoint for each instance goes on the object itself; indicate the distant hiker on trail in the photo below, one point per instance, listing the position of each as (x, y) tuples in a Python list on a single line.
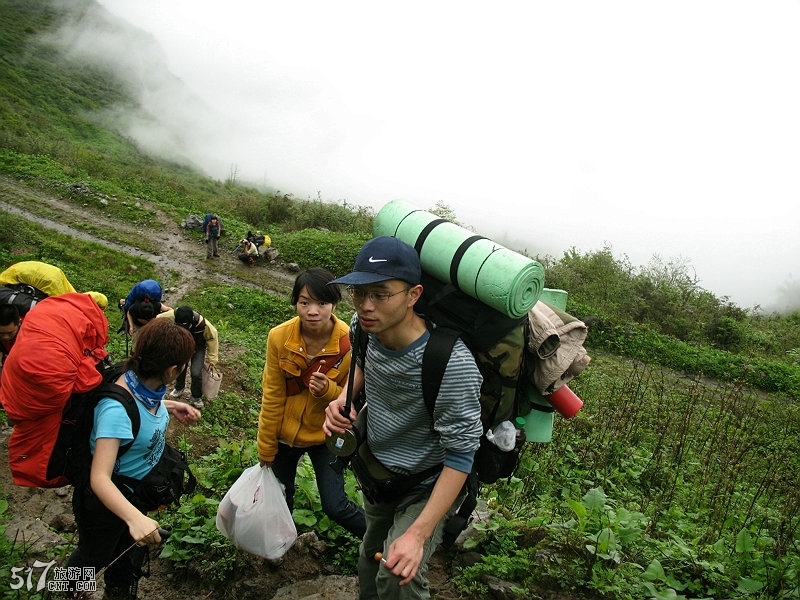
[(258, 239), (213, 231), (248, 252), (307, 364), (109, 523), (206, 350), (207, 219)]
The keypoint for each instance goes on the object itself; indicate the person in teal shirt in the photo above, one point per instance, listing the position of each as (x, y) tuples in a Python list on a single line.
[(108, 523)]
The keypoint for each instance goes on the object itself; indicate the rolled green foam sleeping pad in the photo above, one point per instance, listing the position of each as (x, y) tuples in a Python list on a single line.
[(501, 278)]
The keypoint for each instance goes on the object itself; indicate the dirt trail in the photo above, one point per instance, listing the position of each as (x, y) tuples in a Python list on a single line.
[(178, 250), (36, 202)]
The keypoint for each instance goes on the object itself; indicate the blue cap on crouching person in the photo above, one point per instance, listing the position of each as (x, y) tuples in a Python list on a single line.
[(383, 258)]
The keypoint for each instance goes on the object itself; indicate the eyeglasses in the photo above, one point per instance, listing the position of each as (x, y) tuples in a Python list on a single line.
[(359, 295)]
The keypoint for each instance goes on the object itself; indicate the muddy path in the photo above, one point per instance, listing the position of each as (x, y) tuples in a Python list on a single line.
[(169, 246)]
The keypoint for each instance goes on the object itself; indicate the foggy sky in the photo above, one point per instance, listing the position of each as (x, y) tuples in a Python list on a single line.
[(660, 128)]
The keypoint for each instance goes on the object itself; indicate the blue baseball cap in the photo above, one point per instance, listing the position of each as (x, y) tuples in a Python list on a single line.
[(383, 258)]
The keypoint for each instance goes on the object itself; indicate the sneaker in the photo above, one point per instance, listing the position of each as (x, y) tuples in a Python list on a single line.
[(197, 402), (176, 393)]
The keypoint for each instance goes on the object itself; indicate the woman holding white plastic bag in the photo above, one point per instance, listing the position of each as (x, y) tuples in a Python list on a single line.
[(307, 364)]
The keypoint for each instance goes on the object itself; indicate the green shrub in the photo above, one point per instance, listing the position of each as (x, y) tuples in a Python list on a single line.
[(316, 248)]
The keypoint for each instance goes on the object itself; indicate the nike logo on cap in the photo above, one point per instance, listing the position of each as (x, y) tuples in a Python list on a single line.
[(374, 260)]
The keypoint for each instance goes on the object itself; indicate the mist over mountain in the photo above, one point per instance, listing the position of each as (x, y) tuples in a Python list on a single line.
[(284, 131), (162, 115)]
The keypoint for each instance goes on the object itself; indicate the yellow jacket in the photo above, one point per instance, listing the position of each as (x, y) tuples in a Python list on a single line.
[(296, 420)]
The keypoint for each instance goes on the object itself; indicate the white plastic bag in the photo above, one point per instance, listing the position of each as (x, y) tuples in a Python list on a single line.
[(504, 436), (254, 515), (211, 380)]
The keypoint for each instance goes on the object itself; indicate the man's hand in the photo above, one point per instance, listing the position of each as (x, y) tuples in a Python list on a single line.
[(335, 421), (405, 556), (405, 553)]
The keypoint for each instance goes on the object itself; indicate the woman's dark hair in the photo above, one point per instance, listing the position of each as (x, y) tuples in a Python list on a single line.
[(157, 346), (315, 280)]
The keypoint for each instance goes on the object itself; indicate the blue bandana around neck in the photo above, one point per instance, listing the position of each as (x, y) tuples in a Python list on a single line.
[(150, 398)]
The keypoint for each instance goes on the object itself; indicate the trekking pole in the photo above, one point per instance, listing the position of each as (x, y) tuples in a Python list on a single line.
[(138, 556), (344, 445)]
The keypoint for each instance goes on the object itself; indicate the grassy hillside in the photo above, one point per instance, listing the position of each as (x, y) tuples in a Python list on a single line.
[(52, 134), (662, 487)]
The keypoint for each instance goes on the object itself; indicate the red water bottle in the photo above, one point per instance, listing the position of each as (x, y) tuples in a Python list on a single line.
[(565, 402)]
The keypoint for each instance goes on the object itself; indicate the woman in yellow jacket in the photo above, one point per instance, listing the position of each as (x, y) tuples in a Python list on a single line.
[(307, 364)]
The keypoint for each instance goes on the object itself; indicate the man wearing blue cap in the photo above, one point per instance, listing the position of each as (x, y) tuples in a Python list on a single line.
[(434, 454)]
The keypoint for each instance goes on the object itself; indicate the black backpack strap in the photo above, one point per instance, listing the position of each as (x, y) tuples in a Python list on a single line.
[(359, 346), (123, 396), (459, 254), (434, 362)]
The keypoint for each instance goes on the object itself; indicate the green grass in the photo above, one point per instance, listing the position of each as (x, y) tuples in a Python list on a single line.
[(88, 266)]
